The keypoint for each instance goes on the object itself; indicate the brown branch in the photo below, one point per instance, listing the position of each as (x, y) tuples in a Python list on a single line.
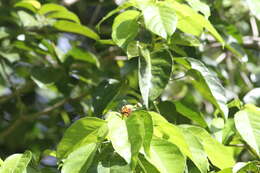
[(34, 116)]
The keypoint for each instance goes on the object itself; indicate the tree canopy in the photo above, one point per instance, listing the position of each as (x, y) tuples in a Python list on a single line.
[(129, 86)]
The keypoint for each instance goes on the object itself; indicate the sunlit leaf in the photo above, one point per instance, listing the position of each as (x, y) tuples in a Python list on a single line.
[(160, 18), (16, 163), (166, 157), (80, 159), (213, 148), (247, 123), (119, 136), (82, 132)]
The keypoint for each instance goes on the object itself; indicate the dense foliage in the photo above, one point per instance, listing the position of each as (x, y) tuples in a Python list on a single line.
[(142, 86)]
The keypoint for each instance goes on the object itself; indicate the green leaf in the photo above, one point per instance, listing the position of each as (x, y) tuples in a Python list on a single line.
[(206, 83), (187, 144), (247, 123), (125, 28), (197, 5), (107, 161), (113, 12), (28, 20), (254, 6), (146, 166), (83, 131), (160, 18), (189, 21), (32, 5), (218, 154), (104, 94), (185, 40), (48, 8), (82, 55), (80, 159), (188, 112), (140, 132), (119, 136), (16, 163), (199, 156), (227, 170), (242, 167), (64, 15), (154, 72), (166, 157), (66, 26)]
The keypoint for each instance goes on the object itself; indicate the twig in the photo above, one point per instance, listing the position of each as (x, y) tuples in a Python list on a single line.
[(34, 116)]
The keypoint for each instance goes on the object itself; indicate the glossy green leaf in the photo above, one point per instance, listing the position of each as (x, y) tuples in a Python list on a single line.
[(113, 12), (16, 163), (166, 157), (64, 15), (104, 94), (125, 28), (154, 72), (200, 6), (213, 148), (188, 144), (80, 54), (140, 132), (66, 26), (82, 132), (160, 18), (247, 123), (32, 5), (199, 156), (50, 7), (119, 136), (193, 23), (80, 159), (206, 83), (190, 113)]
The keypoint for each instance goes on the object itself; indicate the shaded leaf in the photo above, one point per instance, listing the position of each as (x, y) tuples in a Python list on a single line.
[(66, 26), (140, 132), (206, 82), (113, 12), (82, 55), (188, 112), (104, 94), (125, 28), (154, 72)]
